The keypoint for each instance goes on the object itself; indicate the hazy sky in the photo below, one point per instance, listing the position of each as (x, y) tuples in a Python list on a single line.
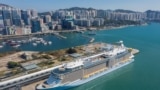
[(44, 5)]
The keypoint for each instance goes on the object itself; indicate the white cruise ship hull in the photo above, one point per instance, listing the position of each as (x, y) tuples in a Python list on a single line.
[(82, 81)]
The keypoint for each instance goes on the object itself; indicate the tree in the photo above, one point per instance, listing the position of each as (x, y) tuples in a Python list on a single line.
[(71, 51), (12, 64), (46, 57)]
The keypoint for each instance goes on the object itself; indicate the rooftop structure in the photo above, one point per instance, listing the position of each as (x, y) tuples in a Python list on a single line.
[(29, 66)]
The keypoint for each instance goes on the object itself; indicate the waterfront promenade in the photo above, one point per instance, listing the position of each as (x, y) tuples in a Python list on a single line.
[(39, 33)]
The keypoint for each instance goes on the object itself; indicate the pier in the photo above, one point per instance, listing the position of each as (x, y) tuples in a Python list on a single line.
[(91, 38)]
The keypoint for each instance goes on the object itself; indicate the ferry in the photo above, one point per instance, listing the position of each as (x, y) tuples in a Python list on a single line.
[(85, 69), (1, 46)]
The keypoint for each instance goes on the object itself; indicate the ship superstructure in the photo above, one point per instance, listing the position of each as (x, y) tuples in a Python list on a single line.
[(85, 69)]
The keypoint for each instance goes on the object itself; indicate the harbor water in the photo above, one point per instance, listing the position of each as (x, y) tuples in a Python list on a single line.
[(142, 74)]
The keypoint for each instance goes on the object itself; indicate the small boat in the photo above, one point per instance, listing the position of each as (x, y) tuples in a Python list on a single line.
[(16, 46), (13, 44), (29, 40), (92, 39), (33, 38), (8, 41), (45, 43), (13, 41), (38, 41), (50, 42), (24, 41), (1, 46), (3, 43), (19, 41), (34, 44)]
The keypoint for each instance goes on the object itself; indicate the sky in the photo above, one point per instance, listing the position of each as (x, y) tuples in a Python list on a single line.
[(47, 5)]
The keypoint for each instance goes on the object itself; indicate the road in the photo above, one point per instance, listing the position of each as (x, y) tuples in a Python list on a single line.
[(26, 81), (38, 33)]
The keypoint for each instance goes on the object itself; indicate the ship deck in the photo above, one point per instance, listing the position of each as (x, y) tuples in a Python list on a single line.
[(95, 72), (103, 69)]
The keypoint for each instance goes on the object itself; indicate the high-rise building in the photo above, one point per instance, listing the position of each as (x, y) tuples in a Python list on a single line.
[(7, 22), (67, 23), (16, 13), (47, 18), (17, 22), (36, 25), (101, 13), (34, 13), (26, 17), (1, 18), (96, 23), (7, 17), (83, 22), (153, 15), (16, 17)]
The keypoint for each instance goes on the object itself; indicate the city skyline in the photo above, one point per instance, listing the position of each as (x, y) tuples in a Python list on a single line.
[(135, 5)]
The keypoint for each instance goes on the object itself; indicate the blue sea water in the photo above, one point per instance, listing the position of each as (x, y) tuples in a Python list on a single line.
[(144, 72)]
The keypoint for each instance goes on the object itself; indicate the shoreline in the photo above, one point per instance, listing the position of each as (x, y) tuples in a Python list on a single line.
[(120, 27), (3, 37)]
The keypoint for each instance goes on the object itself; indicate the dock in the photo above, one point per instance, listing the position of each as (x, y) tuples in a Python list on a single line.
[(40, 33), (92, 40)]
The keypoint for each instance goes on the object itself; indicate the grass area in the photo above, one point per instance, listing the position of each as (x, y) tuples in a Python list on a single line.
[(45, 63), (17, 71)]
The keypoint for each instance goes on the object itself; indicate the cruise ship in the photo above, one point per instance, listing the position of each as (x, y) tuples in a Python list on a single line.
[(83, 70)]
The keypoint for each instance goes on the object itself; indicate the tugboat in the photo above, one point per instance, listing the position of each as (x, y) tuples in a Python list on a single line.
[(1, 46)]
